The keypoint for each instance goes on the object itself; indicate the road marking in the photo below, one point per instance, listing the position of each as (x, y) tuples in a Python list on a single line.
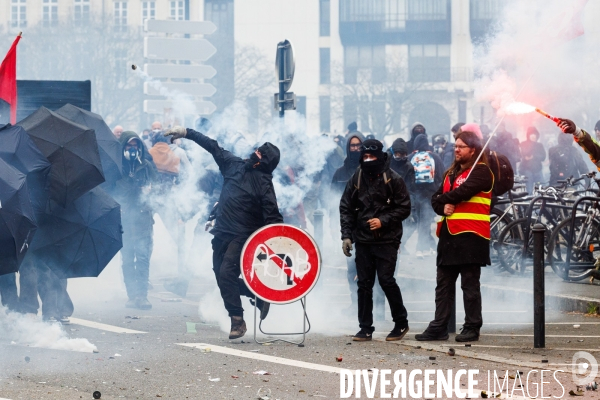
[(103, 327), (262, 357)]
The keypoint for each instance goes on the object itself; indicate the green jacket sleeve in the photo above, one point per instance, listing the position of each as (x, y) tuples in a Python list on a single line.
[(589, 145)]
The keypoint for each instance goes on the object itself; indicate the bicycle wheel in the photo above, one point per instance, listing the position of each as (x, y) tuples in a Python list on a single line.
[(509, 248), (583, 255), (498, 222)]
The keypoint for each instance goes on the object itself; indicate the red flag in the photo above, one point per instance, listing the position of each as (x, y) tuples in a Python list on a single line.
[(8, 79), (569, 25)]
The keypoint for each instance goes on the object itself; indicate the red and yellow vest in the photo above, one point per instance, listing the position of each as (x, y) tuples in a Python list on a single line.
[(472, 215)]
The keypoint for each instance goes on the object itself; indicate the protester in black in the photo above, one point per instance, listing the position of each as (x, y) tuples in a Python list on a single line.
[(533, 154), (565, 160), (137, 219), (400, 164), (372, 208), (247, 202)]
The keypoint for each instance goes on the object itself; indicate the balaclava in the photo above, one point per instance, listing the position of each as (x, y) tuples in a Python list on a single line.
[(375, 148)]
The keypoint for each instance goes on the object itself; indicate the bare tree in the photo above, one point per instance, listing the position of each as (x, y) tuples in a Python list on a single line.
[(378, 99), (97, 51)]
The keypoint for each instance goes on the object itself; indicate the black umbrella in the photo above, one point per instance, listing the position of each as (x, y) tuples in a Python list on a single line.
[(71, 149), (80, 240), (19, 151), (17, 226), (109, 146)]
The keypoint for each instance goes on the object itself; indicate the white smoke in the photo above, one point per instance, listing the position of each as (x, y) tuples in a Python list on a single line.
[(26, 331)]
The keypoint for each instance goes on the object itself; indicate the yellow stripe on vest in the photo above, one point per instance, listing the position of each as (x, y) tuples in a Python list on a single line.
[(479, 200), (471, 216)]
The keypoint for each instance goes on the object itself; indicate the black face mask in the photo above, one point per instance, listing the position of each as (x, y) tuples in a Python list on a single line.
[(373, 167), (354, 156)]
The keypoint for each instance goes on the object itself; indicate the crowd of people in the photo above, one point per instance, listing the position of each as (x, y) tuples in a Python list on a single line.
[(379, 196)]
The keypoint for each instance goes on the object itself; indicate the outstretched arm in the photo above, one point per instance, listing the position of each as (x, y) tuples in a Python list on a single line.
[(222, 157), (584, 139)]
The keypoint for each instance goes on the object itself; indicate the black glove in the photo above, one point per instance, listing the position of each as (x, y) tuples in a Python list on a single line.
[(566, 125)]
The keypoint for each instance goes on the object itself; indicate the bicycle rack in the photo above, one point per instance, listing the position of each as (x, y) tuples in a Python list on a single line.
[(303, 333), (572, 227)]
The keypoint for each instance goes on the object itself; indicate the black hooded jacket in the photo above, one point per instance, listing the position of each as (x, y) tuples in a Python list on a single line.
[(345, 172), (138, 174), (388, 201), (403, 168), (413, 136), (247, 200)]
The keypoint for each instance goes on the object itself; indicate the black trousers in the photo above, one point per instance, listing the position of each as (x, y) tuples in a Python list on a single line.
[(36, 276), (8, 291), (445, 292), (378, 260), (226, 266)]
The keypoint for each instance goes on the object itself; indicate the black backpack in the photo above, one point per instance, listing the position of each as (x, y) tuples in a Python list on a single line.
[(504, 175)]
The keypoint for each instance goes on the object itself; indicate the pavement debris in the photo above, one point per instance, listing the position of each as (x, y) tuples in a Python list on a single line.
[(214, 379), (261, 372), (451, 352)]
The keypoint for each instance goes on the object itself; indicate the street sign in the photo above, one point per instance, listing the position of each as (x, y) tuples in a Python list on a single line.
[(289, 101), (179, 71), (159, 106), (192, 89), (280, 263), (172, 26), (178, 49), (285, 64)]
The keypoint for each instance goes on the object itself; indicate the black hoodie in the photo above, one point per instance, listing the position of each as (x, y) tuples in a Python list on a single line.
[(403, 168), (345, 172), (413, 136), (247, 200)]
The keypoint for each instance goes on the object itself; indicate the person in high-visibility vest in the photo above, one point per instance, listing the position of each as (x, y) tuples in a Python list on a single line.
[(463, 200)]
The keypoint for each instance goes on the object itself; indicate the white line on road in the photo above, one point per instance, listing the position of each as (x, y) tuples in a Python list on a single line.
[(103, 327), (558, 336), (262, 357)]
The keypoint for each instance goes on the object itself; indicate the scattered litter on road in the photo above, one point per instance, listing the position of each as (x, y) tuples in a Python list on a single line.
[(234, 376), (432, 358), (591, 386), (576, 326), (171, 300), (27, 359), (131, 317), (214, 379), (580, 340), (205, 350), (451, 352), (117, 355), (339, 359), (261, 372), (191, 327), (576, 393), (96, 395), (263, 394)]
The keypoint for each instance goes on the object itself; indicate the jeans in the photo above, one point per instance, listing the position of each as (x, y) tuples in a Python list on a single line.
[(135, 255), (226, 266), (8, 291), (445, 297), (378, 260)]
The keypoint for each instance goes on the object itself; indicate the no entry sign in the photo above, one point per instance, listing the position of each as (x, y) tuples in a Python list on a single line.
[(280, 263)]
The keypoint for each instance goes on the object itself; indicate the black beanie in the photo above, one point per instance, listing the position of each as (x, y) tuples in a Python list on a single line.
[(370, 144)]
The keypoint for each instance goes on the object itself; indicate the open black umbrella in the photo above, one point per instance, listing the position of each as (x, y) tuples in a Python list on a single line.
[(81, 239), (17, 226), (71, 149), (19, 151), (109, 146)]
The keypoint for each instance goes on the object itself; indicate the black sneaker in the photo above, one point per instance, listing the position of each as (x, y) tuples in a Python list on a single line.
[(397, 333), (468, 335), (428, 336), (142, 303), (363, 336)]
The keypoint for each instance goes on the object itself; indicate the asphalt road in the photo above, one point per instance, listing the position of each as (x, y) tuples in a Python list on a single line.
[(180, 350)]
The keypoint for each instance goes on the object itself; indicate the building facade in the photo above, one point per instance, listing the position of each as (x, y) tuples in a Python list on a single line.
[(382, 63)]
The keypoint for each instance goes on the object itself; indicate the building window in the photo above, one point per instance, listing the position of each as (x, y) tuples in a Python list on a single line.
[(324, 66), (81, 11), (177, 10), (148, 10), (486, 9), (325, 114), (364, 57), (121, 15), (429, 63), (50, 12), (18, 14), (420, 10), (391, 12), (324, 17), (301, 105)]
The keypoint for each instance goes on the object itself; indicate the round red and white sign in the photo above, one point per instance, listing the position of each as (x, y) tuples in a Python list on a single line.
[(280, 263)]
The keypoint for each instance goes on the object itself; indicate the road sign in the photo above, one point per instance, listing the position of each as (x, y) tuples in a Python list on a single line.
[(178, 49), (179, 71), (172, 26), (192, 89), (285, 65), (280, 263), (159, 106), (289, 101)]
